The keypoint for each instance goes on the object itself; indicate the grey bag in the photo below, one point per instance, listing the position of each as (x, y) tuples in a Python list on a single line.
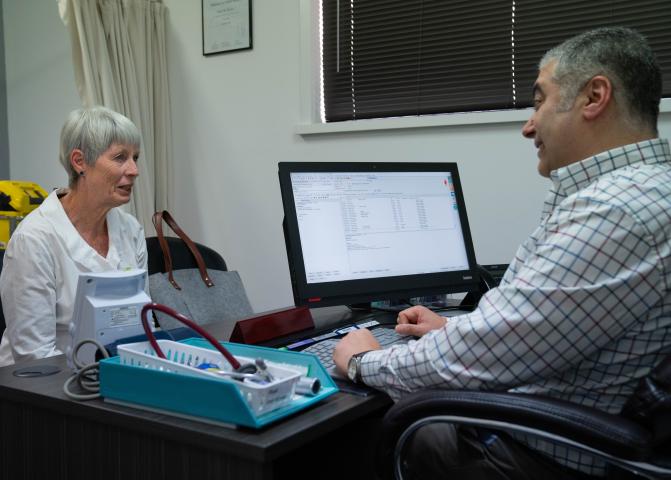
[(204, 296)]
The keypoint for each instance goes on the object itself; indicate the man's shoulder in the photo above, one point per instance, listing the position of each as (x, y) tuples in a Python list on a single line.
[(639, 180), (642, 191)]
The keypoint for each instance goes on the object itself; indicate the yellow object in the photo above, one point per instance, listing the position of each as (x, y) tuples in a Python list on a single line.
[(17, 199)]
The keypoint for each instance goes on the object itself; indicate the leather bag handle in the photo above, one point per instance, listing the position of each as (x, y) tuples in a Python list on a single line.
[(158, 219)]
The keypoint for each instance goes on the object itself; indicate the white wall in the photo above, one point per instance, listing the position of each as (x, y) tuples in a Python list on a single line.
[(40, 89), (4, 147), (233, 121)]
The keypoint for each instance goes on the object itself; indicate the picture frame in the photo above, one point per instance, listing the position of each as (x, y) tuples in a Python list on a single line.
[(227, 26)]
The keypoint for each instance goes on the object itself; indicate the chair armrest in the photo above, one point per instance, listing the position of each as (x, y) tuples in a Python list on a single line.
[(611, 434)]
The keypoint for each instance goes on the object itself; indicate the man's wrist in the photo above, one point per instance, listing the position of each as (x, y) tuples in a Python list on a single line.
[(354, 367)]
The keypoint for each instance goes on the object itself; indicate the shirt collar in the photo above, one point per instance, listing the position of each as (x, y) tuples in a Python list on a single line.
[(576, 176), (80, 251)]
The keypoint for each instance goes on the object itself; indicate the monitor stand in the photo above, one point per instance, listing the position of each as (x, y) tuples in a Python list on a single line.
[(470, 301), (361, 307)]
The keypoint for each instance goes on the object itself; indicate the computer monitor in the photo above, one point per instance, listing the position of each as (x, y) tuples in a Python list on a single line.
[(107, 308), (362, 232)]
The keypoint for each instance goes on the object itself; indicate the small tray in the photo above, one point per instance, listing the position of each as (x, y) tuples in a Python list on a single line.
[(184, 358), (139, 377)]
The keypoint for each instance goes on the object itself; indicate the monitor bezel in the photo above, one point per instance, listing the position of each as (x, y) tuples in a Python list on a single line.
[(376, 288)]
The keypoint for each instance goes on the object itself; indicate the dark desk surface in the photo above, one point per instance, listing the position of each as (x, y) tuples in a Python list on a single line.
[(258, 446), (45, 434)]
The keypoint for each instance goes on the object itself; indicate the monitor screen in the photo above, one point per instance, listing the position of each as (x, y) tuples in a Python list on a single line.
[(361, 232)]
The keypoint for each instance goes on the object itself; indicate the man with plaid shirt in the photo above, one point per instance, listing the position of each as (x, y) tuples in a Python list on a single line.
[(584, 310)]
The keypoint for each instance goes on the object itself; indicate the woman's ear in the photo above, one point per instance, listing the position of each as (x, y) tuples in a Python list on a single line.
[(598, 96), (77, 161)]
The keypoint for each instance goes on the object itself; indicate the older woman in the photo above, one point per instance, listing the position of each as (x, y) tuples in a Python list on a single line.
[(75, 230)]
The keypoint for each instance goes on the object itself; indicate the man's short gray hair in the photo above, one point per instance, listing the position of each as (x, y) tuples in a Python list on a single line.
[(625, 58), (94, 130)]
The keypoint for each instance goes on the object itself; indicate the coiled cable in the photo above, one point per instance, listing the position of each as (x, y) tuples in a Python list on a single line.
[(86, 376)]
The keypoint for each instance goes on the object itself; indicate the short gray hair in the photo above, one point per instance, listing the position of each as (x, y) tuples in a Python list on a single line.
[(624, 57), (94, 130)]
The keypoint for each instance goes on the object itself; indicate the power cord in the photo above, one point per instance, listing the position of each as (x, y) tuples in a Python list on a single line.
[(86, 376)]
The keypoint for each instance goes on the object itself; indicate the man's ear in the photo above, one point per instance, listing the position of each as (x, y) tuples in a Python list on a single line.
[(77, 160), (598, 95)]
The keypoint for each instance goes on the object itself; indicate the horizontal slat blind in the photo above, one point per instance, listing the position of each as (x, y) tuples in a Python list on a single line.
[(540, 25), (412, 57), (384, 58)]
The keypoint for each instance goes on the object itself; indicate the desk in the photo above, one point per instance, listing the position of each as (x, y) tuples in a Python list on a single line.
[(46, 435)]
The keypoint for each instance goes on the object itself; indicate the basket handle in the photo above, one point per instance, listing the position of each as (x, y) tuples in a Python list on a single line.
[(189, 323)]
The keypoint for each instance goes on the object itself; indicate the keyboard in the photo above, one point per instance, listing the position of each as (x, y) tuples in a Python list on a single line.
[(324, 348)]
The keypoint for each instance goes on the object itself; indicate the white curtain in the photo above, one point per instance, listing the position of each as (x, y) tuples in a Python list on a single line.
[(120, 61)]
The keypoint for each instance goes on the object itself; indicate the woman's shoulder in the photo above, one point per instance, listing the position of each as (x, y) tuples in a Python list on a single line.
[(32, 235), (35, 224), (45, 218)]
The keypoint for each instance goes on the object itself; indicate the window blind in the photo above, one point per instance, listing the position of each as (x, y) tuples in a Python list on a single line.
[(418, 57)]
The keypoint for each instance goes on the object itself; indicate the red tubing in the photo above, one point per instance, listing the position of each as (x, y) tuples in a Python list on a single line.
[(189, 323)]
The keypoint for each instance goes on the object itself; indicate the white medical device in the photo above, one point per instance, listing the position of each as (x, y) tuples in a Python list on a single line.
[(107, 308)]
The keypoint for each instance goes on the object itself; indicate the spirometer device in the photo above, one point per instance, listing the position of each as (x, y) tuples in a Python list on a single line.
[(107, 308)]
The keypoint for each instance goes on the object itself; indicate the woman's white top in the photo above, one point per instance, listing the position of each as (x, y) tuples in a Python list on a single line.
[(39, 276)]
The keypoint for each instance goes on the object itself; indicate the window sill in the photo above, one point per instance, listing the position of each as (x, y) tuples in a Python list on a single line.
[(428, 121)]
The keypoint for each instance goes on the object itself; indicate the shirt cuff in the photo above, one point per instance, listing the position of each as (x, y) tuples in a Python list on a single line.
[(370, 367)]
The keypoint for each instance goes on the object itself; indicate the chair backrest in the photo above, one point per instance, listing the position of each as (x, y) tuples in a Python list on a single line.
[(181, 256)]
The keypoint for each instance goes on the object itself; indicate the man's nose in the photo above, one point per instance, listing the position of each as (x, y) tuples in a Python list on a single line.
[(529, 129)]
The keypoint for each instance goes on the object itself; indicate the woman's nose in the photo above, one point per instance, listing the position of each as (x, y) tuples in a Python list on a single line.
[(132, 169)]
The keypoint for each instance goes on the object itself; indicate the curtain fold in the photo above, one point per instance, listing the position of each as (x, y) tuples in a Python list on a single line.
[(120, 61)]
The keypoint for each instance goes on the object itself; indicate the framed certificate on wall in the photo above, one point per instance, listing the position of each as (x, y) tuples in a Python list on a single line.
[(227, 26)]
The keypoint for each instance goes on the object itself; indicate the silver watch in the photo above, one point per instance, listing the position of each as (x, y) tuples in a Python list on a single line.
[(354, 367)]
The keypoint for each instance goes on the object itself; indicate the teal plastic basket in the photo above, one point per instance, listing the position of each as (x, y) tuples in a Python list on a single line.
[(183, 390)]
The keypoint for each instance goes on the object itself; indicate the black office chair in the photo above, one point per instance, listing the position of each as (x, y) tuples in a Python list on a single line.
[(181, 256), (637, 442)]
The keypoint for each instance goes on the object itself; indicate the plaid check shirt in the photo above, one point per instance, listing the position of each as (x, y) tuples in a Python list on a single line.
[(584, 309)]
